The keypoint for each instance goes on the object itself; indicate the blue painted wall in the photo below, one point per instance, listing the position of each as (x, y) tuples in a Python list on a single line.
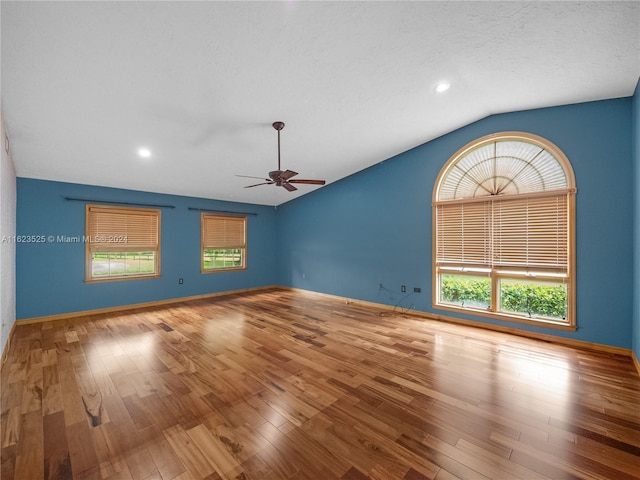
[(375, 227), (50, 276), (366, 235), (636, 222)]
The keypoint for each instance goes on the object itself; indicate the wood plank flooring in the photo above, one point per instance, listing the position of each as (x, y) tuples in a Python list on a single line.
[(292, 385)]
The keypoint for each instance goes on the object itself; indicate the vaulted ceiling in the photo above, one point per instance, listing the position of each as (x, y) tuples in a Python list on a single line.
[(85, 85)]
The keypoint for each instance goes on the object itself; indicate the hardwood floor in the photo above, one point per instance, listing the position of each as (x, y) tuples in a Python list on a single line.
[(289, 385)]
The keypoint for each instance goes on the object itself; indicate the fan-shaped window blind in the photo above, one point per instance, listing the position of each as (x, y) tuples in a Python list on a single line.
[(502, 167), (505, 203)]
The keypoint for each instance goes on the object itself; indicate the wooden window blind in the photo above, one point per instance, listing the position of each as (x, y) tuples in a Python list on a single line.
[(464, 234), (531, 232), (522, 232), (223, 231), (122, 229)]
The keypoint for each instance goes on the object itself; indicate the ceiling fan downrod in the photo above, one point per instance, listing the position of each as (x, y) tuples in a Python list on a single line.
[(278, 126)]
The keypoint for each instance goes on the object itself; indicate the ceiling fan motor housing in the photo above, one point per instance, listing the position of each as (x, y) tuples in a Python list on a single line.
[(275, 175)]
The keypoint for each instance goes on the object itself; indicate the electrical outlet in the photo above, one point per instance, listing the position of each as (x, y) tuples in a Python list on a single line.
[(417, 289), (403, 288), (180, 281)]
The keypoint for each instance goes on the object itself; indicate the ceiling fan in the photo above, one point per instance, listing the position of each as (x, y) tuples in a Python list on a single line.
[(282, 178)]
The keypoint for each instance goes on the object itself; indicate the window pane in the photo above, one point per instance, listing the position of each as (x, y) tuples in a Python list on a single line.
[(122, 264), (223, 258), (465, 290), (533, 298)]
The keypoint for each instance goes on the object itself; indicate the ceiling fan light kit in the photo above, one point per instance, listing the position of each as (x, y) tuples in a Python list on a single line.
[(282, 178)]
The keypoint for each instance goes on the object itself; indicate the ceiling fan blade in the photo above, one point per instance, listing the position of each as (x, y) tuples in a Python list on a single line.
[(249, 176), (287, 174), (288, 186), (309, 182), (258, 184)]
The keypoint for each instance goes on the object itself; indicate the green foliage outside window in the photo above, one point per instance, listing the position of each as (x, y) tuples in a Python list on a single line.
[(532, 299), (468, 291)]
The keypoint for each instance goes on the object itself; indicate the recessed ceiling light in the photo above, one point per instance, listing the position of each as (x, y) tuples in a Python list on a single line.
[(442, 87), (144, 152)]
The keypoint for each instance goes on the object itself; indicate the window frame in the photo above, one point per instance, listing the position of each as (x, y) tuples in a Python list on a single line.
[(100, 242), (496, 272), (241, 245)]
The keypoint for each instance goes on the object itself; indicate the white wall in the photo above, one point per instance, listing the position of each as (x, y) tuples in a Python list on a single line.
[(7, 233)]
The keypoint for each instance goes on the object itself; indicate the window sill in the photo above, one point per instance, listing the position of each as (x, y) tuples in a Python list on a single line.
[(540, 322), (222, 270), (119, 279)]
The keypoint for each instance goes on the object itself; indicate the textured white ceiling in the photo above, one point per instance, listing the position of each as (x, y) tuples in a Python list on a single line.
[(85, 84)]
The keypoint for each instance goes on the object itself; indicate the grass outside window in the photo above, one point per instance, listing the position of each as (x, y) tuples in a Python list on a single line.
[(124, 264), (223, 258)]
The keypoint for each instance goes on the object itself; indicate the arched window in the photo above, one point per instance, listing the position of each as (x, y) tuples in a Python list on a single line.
[(503, 231)]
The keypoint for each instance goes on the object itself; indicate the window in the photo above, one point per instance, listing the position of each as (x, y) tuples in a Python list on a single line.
[(224, 243), (503, 223), (121, 243)]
